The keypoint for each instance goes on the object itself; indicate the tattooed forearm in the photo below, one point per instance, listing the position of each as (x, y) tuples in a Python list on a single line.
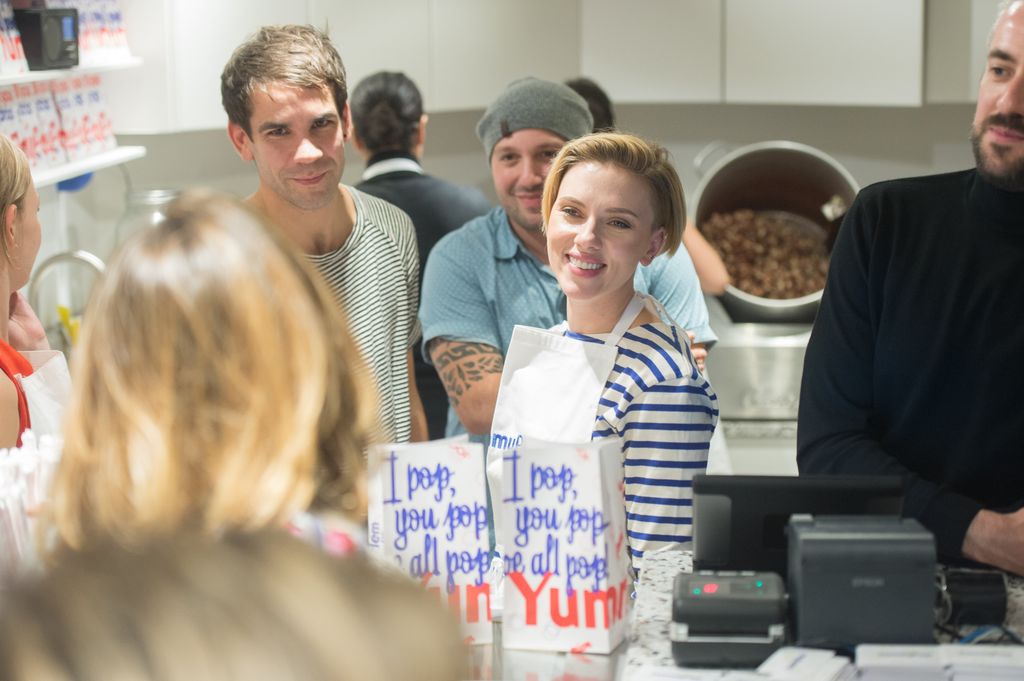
[(461, 365)]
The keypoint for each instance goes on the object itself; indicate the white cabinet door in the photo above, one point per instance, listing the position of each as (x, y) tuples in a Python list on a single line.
[(383, 35), (140, 98), (205, 35), (184, 45), (839, 52), (956, 48), (653, 50), (480, 46)]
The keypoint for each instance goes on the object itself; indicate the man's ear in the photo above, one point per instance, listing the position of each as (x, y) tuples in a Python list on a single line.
[(421, 130), (656, 245), (240, 140), (346, 122)]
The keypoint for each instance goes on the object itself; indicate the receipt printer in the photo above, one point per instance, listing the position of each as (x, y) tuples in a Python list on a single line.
[(727, 619), (860, 579)]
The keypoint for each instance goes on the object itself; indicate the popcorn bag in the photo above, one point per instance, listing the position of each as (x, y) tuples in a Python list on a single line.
[(12, 52), (9, 114), (428, 515), (99, 133), (28, 123), (567, 572), (50, 147)]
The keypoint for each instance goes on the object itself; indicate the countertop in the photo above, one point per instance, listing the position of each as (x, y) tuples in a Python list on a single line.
[(648, 643)]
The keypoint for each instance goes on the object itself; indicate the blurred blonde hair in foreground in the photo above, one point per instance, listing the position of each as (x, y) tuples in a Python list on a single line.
[(252, 607), (216, 387)]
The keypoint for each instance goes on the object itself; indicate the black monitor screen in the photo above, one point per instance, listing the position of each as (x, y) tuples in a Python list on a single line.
[(739, 521)]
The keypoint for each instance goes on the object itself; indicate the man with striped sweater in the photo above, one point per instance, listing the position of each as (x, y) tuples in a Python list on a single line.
[(285, 94)]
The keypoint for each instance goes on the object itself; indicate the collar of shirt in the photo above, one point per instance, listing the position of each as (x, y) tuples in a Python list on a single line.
[(392, 165), (507, 244)]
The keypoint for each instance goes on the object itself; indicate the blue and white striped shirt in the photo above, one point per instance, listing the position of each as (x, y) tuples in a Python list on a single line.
[(665, 411)]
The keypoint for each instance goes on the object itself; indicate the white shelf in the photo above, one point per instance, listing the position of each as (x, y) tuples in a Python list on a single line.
[(106, 159), (54, 74)]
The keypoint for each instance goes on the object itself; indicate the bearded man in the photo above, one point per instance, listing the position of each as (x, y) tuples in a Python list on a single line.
[(915, 366)]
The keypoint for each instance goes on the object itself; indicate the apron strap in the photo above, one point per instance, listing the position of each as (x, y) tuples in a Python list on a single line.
[(629, 315), (660, 310)]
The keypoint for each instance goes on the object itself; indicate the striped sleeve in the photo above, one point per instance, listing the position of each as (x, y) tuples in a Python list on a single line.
[(665, 412)]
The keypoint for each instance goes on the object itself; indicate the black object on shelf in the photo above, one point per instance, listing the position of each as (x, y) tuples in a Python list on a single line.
[(49, 37)]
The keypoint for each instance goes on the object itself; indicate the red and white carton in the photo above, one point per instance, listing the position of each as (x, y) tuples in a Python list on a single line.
[(118, 32), (100, 130), (51, 150), (12, 53), (568, 577), (9, 114), (428, 516), (71, 108), (28, 123)]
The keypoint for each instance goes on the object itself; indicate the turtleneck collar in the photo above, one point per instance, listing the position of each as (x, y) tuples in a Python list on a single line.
[(1003, 210)]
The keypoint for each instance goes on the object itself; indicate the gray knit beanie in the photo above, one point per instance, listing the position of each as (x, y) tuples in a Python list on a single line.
[(534, 103)]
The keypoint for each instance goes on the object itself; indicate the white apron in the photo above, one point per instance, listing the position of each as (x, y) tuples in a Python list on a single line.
[(551, 384), (47, 390), (549, 390)]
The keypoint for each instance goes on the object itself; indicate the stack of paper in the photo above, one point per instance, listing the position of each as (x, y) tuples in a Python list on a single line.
[(878, 662), (806, 664), (984, 662), (940, 662)]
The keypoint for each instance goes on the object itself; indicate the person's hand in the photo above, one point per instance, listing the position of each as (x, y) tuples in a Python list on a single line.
[(24, 330), (699, 352), (997, 539)]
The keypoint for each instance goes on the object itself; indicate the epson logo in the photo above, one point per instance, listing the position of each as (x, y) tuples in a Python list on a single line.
[(867, 582)]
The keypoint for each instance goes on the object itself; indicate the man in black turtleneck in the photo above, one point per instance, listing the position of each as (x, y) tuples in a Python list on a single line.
[(389, 132), (915, 365)]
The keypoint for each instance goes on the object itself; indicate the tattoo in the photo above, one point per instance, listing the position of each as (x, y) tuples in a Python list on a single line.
[(460, 365)]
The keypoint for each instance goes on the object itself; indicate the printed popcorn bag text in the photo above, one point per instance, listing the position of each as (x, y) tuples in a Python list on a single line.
[(428, 515), (567, 576)]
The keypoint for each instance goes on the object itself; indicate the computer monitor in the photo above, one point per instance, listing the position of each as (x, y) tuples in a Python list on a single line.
[(739, 521)]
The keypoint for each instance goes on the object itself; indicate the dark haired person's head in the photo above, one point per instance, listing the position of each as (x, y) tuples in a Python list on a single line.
[(597, 101), (387, 112)]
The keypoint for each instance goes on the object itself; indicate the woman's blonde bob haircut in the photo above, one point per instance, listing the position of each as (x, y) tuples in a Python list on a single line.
[(216, 386), (629, 152), (15, 179)]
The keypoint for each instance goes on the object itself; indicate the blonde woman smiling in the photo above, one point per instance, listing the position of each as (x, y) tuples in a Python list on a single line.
[(619, 367)]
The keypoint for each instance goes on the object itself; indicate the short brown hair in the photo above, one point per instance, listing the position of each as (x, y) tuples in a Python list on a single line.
[(649, 160), (299, 56)]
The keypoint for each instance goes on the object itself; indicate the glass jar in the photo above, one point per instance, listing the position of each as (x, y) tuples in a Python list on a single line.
[(144, 208)]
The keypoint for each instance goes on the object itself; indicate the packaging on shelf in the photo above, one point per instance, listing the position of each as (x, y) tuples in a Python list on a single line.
[(99, 132), (51, 149), (8, 114), (118, 33), (28, 123), (71, 109), (12, 54)]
